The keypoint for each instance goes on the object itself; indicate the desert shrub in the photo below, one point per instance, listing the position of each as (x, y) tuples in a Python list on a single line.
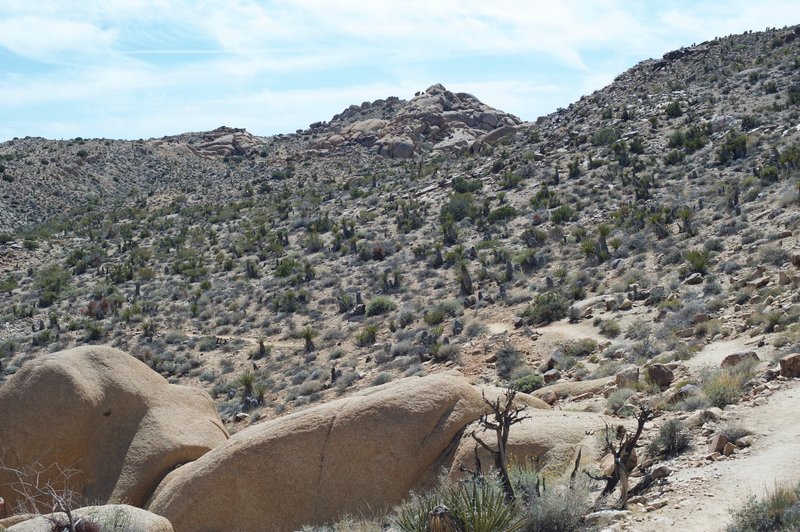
[(462, 185), (778, 511), (380, 305), (774, 255), (672, 439), (458, 207), (367, 335), (206, 343), (529, 383), (382, 378), (508, 359), (558, 509), (561, 214), (475, 328), (734, 147), (697, 259), (42, 338), (547, 307), (580, 348), (610, 328), (733, 430), (617, 401), (502, 214), (673, 110), (724, 386)]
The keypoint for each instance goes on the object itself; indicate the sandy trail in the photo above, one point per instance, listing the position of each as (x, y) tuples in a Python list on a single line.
[(713, 490), (713, 354)]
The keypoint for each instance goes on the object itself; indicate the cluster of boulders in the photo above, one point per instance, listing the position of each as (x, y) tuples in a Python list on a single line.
[(131, 437), (436, 118)]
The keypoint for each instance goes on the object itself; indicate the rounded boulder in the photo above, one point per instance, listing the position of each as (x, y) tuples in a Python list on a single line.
[(101, 423)]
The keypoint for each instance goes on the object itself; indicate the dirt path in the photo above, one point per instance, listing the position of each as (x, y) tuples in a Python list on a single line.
[(713, 354), (704, 496)]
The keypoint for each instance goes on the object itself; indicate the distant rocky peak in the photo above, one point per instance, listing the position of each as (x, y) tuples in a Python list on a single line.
[(435, 119)]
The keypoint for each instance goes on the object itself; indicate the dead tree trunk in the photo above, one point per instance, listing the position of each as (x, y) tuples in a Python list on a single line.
[(500, 421), (622, 453)]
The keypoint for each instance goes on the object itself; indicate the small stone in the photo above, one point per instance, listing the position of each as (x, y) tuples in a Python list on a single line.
[(551, 375), (549, 397), (695, 278), (728, 449), (745, 441), (660, 374), (661, 472), (627, 376), (626, 305), (717, 443), (735, 359)]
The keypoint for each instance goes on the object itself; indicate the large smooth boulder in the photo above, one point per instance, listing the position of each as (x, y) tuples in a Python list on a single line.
[(111, 517), (554, 436), (356, 455), (105, 415)]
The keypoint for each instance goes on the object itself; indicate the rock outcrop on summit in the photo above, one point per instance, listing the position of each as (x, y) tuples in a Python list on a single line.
[(104, 414), (436, 118)]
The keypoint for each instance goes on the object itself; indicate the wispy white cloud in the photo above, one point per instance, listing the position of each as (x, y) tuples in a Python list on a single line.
[(147, 67)]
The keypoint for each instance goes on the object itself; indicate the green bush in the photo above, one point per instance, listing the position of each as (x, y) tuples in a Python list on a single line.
[(697, 259), (367, 336), (529, 383), (502, 214), (672, 439), (673, 110), (561, 214), (610, 328), (548, 307), (508, 359), (724, 386), (617, 401), (380, 305), (778, 511), (735, 147), (463, 186)]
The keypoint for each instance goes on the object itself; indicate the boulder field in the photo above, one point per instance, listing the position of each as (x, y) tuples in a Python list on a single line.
[(132, 437)]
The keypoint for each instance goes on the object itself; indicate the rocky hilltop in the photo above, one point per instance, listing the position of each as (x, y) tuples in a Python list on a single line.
[(635, 251)]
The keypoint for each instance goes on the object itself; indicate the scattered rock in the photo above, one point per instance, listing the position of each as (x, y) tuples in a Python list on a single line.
[(717, 443), (606, 517), (627, 376), (735, 359), (551, 375), (549, 397), (728, 449), (661, 472), (660, 374), (790, 366), (745, 441), (627, 304), (693, 279)]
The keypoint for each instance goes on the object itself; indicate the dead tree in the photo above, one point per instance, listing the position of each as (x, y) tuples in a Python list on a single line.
[(623, 451), (501, 419), (46, 487)]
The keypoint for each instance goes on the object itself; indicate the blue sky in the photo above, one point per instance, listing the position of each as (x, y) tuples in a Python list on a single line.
[(148, 68)]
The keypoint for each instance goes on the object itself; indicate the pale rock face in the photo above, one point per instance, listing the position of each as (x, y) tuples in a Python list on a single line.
[(107, 415), (356, 455)]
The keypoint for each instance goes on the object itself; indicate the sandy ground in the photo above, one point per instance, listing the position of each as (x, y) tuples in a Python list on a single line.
[(705, 496)]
